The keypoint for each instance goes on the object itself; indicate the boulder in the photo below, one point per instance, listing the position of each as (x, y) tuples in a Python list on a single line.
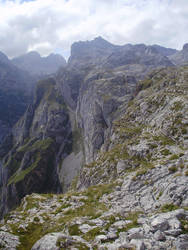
[(8, 241)]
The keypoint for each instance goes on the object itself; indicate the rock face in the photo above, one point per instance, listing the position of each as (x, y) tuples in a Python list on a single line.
[(100, 77), (8, 241), (15, 94), (113, 125), (39, 138), (152, 131), (180, 57), (36, 65), (164, 51), (137, 54), (106, 55), (90, 53)]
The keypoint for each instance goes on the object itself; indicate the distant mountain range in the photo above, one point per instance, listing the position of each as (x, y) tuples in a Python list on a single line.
[(36, 65)]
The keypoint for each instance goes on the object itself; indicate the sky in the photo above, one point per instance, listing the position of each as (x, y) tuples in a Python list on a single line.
[(51, 26)]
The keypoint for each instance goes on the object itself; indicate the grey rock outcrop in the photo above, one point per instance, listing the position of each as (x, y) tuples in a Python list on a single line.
[(8, 241), (48, 242)]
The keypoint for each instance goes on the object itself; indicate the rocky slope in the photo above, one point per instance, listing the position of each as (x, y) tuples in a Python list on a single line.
[(39, 66), (92, 220), (152, 127), (113, 124)]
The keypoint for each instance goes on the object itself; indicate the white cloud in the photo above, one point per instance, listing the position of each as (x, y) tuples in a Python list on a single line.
[(53, 25)]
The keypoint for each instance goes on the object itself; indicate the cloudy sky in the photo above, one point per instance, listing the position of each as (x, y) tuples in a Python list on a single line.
[(53, 25)]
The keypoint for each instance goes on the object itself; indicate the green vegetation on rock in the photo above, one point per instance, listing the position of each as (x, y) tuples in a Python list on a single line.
[(38, 150)]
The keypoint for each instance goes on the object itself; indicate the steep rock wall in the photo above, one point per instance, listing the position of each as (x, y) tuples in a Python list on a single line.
[(39, 139)]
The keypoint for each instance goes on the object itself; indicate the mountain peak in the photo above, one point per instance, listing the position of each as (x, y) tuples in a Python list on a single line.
[(96, 42), (185, 47), (93, 50), (32, 54), (100, 39)]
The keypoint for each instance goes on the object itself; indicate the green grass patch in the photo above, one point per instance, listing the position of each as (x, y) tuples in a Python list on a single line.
[(41, 145), (33, 232), (40, 150), (184, 226), (168, 207), (159, 195), (173, 169), (59, 209), (141, 172), (146, 83), (89, 236), (165, 152), (174, 157), (20, 175), (129, 131), (163, 140), (177, 106), (74, 230)]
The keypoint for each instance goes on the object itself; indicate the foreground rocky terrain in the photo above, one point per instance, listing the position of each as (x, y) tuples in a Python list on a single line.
[(112, 135), (96, 218)]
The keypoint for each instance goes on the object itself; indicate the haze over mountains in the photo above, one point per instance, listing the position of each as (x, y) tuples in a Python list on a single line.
[(112, 116), (33, 63)]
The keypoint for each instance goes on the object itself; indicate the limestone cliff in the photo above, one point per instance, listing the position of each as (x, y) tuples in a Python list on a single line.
[(100, 77), (39, 139), (15, 93)]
